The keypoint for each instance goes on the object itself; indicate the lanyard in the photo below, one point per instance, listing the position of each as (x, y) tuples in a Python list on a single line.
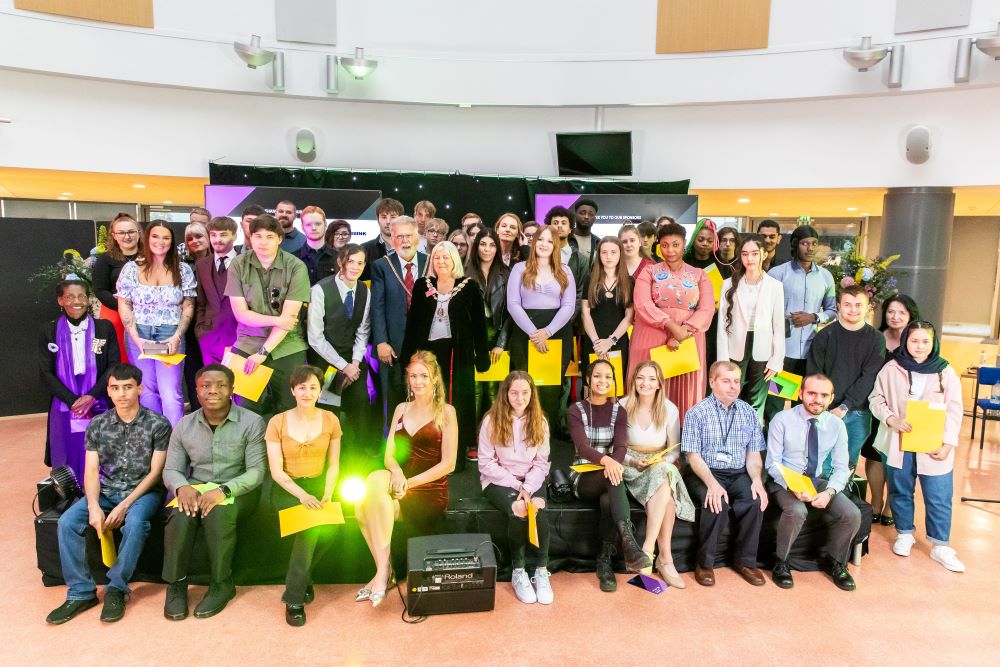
[(732, 417)]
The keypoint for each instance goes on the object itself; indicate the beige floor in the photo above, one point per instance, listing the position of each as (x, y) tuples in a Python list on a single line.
[(908, 611)]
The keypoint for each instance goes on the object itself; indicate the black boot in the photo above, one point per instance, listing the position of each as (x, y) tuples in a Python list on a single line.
[(605, 573), (635, 558)]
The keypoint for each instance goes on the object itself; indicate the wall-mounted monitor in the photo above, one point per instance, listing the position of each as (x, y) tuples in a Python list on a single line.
[(594, 153)]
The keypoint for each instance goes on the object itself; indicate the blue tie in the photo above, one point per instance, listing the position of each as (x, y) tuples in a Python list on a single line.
[(813, 440), (349, 304)]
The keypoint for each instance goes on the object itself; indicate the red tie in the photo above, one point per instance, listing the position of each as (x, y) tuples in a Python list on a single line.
[(408, 282)]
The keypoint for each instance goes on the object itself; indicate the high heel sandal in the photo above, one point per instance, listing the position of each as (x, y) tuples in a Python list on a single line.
[(363, 594), (672, 579), (378, 597)]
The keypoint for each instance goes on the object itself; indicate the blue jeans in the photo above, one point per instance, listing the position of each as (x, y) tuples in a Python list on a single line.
[(162, 385), (859, 425), (73, 545), (937, 490)]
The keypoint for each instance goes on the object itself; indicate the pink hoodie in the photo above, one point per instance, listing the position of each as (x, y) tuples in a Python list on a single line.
[(888, 399)]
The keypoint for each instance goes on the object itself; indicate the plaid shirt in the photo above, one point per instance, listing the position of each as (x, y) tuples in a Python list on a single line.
[(722, 437), (126, 450)]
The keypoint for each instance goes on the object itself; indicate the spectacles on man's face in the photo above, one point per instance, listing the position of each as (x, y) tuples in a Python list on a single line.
[(275, 304)]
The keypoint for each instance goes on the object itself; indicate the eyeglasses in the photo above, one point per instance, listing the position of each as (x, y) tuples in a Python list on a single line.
[(275, 304), (342, 235), (128, 233)]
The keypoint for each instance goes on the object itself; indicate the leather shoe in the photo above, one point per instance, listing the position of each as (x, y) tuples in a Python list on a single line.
[(69, 610), (782, 575), (175, 607), (114, 605), (751, 575), (295, 615), (704, 575), (310, 594), (215, 600), (887, 520), (841, 577)]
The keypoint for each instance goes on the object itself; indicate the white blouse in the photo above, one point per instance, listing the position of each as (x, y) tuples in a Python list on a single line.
[(650, 437)]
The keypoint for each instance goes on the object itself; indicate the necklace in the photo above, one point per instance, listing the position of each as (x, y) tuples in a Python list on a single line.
[(609, 292)]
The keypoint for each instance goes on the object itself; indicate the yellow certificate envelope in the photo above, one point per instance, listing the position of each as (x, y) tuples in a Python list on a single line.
[(248, 386), (615, 358), (587, 467), (109, 553), (204, 488), (498, 371), (298, 518), (658, 456), (533, 524), (684, 360), (927, 420), (168, 359), (715, 277), (546, 369), (797, 482)]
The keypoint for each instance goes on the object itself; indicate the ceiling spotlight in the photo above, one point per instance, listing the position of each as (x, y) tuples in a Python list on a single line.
[(865, 57), (963, 56), (6, 121), (742, 200), (253, 54), (852, 208), (278, 72), (332, 76), (359, 67), (140, 186)]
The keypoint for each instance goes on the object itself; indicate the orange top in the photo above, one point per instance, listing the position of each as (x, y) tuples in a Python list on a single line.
[(303, 459)]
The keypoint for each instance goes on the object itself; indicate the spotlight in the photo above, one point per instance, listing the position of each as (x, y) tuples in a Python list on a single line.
[(963, 55), (332, 76), (352, 489), (865, 57), (359, 67), (278, 72), (253, 54)]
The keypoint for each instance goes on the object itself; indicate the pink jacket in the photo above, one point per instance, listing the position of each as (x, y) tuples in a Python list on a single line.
[(888, 399), (515, 465)]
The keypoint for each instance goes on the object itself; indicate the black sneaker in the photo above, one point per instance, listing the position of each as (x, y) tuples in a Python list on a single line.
[(68, 610), (215, 600), (176, 606), (782, 575), (114, 605), (295, 615)]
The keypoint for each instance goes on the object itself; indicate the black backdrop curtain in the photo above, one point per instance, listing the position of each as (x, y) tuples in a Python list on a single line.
[(453, 194)]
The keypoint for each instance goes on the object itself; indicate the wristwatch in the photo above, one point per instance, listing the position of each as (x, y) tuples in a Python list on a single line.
[(226, 491), (832, 491), (263, 351), (614, 340)]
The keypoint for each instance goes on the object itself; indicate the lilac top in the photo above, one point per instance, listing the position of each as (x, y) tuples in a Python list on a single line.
[(515, 465), (155, 305), (520, 297)]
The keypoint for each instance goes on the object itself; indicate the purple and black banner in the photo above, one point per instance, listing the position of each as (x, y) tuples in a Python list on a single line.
[(613, 211)]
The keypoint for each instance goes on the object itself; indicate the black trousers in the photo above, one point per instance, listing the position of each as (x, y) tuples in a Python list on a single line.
[(362, 438), (743, 506), (308, 546), (754, 389), (277, 396), (773, 405), (502, 497), (613, 501), (393, 386), (220, 538)]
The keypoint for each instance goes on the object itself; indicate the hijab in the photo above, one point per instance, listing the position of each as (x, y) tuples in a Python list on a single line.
[(934, 363)]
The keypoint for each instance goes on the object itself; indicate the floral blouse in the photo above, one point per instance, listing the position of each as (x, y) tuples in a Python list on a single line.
[(155, 305)]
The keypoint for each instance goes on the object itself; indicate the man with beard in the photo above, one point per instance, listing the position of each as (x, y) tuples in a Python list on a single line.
[(584, 215), (284, 213)]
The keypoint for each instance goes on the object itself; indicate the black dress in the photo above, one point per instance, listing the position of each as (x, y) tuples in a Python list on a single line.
[(606, 314)]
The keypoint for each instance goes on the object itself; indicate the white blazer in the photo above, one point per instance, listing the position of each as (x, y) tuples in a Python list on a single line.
[(768, 329)]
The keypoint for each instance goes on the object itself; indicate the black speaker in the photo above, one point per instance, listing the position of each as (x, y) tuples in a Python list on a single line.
[(450, 574)]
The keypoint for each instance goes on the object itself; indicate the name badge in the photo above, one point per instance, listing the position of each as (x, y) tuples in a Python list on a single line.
[(661, 276), (723, 457)]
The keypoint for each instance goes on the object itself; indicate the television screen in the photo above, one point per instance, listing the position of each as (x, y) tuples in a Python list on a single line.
[(594, 153)]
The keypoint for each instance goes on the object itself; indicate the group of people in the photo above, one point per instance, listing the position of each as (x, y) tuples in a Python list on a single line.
[(414, 317)]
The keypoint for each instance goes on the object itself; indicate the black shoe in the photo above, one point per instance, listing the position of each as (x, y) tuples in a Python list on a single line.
[(841, 577), (782, 575), (68, 610), (876, 518), (605, 573), (310, 594), (114, 605), (887, 520), (635, 558), (295, 615), (176, 606), (215, 600)]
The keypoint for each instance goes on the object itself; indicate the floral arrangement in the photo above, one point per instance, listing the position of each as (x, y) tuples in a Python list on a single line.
[(72, 266), (851, 268)]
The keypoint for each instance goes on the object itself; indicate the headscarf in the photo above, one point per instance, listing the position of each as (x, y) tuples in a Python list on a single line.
[(689, 258), (934, 363)]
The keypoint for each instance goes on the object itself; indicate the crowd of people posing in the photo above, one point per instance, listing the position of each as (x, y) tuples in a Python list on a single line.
[(406, 320)]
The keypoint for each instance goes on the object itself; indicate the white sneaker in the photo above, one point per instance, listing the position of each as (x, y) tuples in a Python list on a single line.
[(947, 557), (543, 589), (904, 542), (522, 586)]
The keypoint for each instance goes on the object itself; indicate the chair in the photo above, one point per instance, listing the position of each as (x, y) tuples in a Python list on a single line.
[(985, 376)]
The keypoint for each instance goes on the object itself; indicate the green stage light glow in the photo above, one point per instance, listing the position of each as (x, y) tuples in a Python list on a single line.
[(352, 489)]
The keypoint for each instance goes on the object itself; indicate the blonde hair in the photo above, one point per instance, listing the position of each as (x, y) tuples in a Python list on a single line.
[(429, 361), (536, 428), (448, 247), (659, 409)]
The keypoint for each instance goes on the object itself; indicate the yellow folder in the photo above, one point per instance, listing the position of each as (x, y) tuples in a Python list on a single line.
[(204, 488), (109, 553), (615, 358), (684, 360), (587, 467), (797, 482), (658, 456), (546, 369), (498, 371), (713, 274), (298, 518), (248, 386), (927, 420), (168, 359), (533, 524)]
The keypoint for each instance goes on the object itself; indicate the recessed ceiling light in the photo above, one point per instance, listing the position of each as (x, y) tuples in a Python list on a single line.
[(742, 200), (850, 226), (773, 214), (63, 198), (852, 208), (866, 214), (167, 201), (66, 194), (138, 185)]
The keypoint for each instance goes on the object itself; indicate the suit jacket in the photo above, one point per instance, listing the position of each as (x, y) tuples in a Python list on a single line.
[(375, 249), (108, 356), (768, 326), (213, 314), (468, 324), (388, 310)]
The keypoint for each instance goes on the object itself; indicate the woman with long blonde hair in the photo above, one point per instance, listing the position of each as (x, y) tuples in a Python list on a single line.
[(513, 465), (413, 487), (654, 425)]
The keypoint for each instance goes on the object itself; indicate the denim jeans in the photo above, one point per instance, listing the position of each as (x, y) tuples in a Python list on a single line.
[(937, 491), (859, 425), (162, 385), (73, 545)]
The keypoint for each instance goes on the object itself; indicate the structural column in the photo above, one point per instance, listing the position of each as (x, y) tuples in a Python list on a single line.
[(916, 224)]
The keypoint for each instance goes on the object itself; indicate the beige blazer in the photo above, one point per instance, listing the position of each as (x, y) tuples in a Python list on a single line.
[(768, 326)]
